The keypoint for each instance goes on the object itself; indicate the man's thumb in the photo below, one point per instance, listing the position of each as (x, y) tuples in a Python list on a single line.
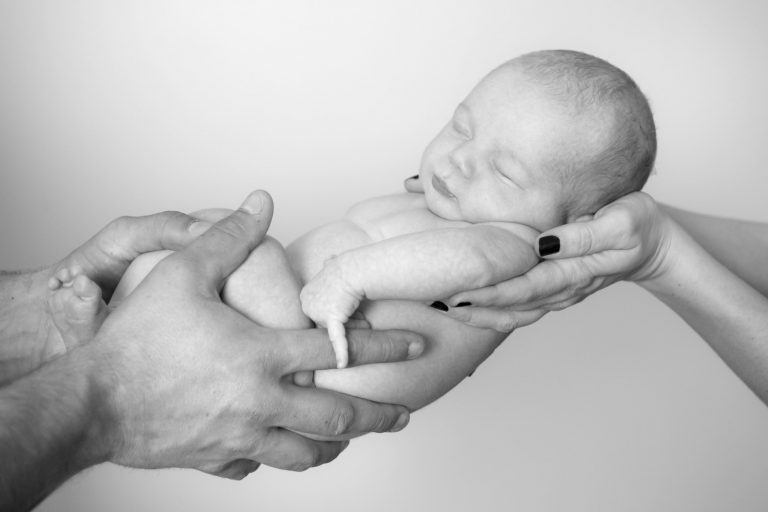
[(226, 245)]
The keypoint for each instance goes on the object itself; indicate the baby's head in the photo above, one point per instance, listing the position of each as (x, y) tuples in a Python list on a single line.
[(542, 140)]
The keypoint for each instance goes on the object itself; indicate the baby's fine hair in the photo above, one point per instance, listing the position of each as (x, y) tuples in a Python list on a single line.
[(589, 85)]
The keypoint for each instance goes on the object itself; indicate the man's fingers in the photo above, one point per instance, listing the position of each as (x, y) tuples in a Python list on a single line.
[(127, 237), (312, 349), (221, 249), (332, 415), (284, 449)]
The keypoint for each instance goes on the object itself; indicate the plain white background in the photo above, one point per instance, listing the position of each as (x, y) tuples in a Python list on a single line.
[(113, 108)]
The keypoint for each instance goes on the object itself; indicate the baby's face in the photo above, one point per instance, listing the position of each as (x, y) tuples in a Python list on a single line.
[(489, 162)]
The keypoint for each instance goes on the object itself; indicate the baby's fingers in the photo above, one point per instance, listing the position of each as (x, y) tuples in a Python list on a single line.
[(339, 342)]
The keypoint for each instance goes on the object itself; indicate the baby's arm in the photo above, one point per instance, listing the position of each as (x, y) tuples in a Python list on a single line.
[(422, 266)]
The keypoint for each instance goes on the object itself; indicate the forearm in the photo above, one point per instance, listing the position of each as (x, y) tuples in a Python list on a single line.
[(50, 421), (728, 313), (436, 264), (25, 328), (740, 245)]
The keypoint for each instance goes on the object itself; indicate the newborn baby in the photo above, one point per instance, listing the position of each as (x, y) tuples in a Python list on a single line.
[(544, 139)]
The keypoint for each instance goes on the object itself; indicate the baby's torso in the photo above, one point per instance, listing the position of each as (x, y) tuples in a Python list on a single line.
[(367, 222)]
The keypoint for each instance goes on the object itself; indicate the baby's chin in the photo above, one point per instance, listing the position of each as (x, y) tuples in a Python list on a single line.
[(442, 206)]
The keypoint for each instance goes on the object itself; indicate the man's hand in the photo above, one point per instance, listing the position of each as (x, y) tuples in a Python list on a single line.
[(628, 239), (105, 257), (30, 336), (189, 382)]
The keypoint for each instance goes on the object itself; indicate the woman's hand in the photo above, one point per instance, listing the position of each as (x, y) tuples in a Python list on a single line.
[(625, 240)]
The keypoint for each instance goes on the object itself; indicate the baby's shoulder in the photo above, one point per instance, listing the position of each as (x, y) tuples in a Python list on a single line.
[(394, 215)]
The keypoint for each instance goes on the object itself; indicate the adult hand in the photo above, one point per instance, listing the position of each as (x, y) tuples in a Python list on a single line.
[(30, 336), (106, 256), (627, 239), (186, 381)]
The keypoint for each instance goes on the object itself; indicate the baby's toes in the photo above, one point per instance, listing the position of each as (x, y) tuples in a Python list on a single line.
[(59, 278), (87, 299), (58, 301)]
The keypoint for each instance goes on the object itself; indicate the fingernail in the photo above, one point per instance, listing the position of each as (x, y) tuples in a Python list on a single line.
[(439, 305), (463, 304), (415, 349), (253, 203), (414, 177), (549, 244), (401, 422)]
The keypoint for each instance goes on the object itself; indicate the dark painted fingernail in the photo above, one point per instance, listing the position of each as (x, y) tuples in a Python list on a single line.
[(414, 177), (463, 304), (549, 244), (439, 305)]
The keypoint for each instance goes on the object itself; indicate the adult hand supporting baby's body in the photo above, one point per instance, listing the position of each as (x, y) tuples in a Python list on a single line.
[(175, 378), (203, 387), (37, 335), (625, 240)]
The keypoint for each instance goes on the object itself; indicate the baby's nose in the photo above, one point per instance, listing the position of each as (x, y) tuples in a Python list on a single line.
[(464, 162)]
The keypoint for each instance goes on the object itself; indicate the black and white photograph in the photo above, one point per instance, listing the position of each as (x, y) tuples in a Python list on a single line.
[(416, 255)]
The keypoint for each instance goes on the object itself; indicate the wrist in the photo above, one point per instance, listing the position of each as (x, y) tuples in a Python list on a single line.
[(673, 248), (101, 430), (348, 271)]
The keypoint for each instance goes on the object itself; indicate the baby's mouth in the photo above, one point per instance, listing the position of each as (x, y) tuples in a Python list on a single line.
[(442, 189)]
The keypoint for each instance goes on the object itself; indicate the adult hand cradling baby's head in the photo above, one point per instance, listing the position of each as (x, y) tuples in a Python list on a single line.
[(624, 240)]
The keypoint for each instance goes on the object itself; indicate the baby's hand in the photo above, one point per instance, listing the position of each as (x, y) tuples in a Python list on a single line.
[(330, 300)]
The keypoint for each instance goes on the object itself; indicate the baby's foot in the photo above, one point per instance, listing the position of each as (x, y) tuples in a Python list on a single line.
[(76, 306)]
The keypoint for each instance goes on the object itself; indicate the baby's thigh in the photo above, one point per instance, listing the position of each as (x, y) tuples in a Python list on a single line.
[(266, 290), (135, 274)]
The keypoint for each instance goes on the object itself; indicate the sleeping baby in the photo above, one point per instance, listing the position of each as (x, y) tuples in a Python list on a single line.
[(544, 139)]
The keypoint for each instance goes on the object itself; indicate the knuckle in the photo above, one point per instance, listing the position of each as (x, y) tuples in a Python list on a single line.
[(308, 459), (506, 323), (382, 423), (233, 226), (585, 239), (341, 420), (524, 294), (121, 223)]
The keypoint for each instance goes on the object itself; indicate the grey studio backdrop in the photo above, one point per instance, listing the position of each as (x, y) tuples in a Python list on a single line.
[(128, 108)]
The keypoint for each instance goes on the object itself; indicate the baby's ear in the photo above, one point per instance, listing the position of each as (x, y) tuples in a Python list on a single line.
[(414, 185)]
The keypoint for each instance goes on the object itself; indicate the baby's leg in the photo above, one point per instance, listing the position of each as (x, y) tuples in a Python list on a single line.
[(76, 306), (263, 288)]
